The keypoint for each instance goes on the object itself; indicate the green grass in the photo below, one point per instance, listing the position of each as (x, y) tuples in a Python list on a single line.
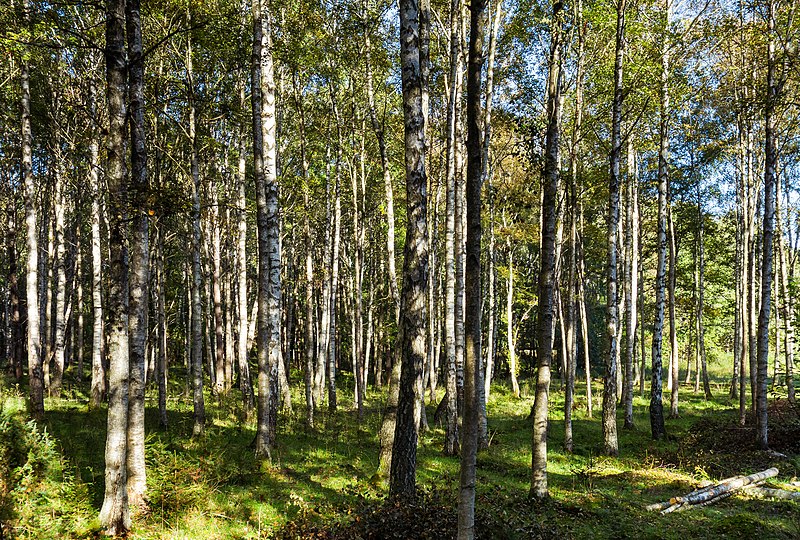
[(214, 488)]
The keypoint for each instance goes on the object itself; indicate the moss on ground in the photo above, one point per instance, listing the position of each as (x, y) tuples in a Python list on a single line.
[(321, 484)]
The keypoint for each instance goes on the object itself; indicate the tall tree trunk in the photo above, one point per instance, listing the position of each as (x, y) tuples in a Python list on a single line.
[(377, 127), (402, 478), (512, 353), (336, 232), (140, 256), (98, 389), (228, 284), (770, 165), (35, 374), (632, 283), (737, 332), (701, 329), (752, 272), (491, 333), (611, 446), (216, 292), (546, 275), (587, 365), (79, 320), (573, 275), (161, 332), (325, 312), (785, 302), (451, 417), (58, 262), (642, 340), (15, 346), (745, 268), (357, 345), (46, 270), (198, 402), (472, 314), (242, 349), (309, 261), (115, 515), (673, 330), (656, 406), (269, 250)]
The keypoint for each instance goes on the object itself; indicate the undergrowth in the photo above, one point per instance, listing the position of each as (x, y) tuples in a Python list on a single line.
[(321, 482), (39, 494)]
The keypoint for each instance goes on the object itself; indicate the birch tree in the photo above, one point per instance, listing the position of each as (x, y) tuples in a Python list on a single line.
[(472, 314), (140, 255), (269, 252), (611, 445), (115, 514), (544, 330), (402, 479)]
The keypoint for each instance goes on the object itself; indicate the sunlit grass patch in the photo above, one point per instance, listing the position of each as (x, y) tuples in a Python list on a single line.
[(322, 478)]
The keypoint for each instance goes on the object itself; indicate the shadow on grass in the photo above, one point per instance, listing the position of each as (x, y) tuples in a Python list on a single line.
[(213, 487)]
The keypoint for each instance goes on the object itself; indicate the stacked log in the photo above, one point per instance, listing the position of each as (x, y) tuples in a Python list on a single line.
[(713, 493)]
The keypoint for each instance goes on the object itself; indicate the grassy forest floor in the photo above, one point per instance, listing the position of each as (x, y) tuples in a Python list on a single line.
[(321, 483)]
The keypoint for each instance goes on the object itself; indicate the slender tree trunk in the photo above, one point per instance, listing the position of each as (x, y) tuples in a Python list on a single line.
[(746, 263), (402, 481), (358, 286), (632, 283), (738, 254), (140, 256), (98, 389), (611, 445), (35, 374), (377, 127), (587, 365), (656, 406), (198, 402), (332, 352), (216, 292), (752, 277), (79, 326), (770, 165), (115, 515), (309, 262), (269, 250), (642, 344), (228, 284), (325, 312), (512, 354), (46, 269), (429, 377), (16, 347), (161, 333), (546, 275), (491, 334), (785, 303), (701, 329), (673, 330), (242, 349), (472, 313), (573, 274), (57, 258), (451, 417)]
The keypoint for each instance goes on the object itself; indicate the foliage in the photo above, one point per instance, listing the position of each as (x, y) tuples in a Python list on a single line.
[(40, 495), (320, 484)]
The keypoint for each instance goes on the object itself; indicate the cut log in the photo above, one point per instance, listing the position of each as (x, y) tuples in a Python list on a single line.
[(705, 503), (713, 493), (774, 493), (706, 485)]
